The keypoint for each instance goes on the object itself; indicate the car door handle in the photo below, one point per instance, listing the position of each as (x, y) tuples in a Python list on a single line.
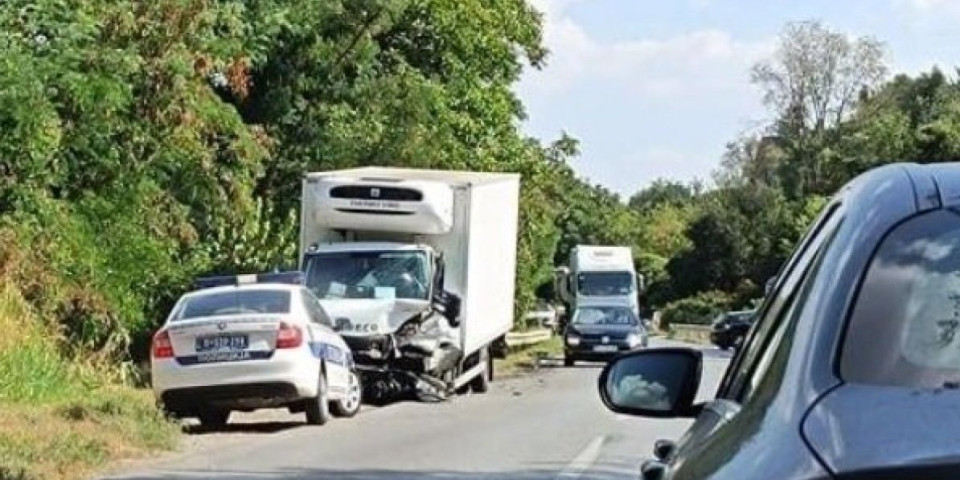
[(663, 449), (653, 470)]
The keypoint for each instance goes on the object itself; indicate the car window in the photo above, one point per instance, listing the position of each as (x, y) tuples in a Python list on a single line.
[(772, 312), (312, 306), (904, 326), (782, 338), (235, 302)]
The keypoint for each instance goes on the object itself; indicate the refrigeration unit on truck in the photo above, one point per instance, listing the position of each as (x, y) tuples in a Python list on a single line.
[(417, 269), (599, 275)]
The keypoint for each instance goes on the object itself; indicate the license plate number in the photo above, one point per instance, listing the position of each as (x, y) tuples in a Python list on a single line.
[(222, 343), (605, 348)]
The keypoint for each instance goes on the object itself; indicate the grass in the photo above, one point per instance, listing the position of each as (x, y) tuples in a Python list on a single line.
[(524, 359), (60, 421)]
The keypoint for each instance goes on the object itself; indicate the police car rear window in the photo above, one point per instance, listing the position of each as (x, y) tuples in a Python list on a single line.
[(236, 303)]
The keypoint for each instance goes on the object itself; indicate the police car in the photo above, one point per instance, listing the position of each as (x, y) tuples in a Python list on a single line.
[(249, 342)]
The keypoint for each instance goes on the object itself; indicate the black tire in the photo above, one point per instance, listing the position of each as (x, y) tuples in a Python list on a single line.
[(349, 406), (317, 409), (213, 417), (481, 383), (568, 361)]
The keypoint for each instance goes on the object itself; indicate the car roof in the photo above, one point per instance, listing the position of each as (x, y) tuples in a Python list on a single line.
[(932, 185)]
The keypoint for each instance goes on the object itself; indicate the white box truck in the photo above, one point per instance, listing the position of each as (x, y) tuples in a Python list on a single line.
[(416, 269), (600, 275)]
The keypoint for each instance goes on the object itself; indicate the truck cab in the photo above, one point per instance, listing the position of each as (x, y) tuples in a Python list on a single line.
[(600, 275)]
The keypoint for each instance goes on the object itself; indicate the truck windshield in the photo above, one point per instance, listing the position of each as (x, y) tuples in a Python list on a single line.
[(368, 275), (605, 284)]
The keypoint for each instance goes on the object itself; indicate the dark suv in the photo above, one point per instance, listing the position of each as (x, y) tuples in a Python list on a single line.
[(852, 370)]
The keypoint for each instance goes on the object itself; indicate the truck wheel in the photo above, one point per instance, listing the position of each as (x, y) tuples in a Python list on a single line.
[(481, 384), (349, 405), (568, 361), (213, 417), (318, 408)]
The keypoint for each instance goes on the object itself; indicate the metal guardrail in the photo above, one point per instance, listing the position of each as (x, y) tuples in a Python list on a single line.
[(519, 339), (691, 333)]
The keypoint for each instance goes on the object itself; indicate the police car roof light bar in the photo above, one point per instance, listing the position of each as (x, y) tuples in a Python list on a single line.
[(292, 278)]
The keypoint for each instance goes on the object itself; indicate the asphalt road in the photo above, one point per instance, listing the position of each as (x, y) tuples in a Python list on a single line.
[(547, 425)]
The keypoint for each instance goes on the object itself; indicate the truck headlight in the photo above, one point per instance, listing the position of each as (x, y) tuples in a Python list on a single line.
[(573, 340), (634, 340)]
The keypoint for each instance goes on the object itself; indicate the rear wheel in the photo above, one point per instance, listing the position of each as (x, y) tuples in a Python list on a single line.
[(481, 383), (213, 417), (318, 408), (349, 405)]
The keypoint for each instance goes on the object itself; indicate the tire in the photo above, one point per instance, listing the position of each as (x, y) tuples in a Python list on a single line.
[(481, 384), (349, 405), (568, 361), (317, 409), (213, 417)]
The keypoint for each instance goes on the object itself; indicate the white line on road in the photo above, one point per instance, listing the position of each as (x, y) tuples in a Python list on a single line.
[(583, 461)]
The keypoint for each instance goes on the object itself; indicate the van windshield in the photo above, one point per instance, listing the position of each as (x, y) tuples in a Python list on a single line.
[(395, 274), (605, 284)]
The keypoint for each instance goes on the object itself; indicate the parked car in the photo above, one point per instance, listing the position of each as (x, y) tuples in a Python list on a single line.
[(852, 369), (600, 332), (252, 345), (730, 328)]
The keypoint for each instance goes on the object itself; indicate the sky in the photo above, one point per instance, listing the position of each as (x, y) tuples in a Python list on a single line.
[(656, 88)]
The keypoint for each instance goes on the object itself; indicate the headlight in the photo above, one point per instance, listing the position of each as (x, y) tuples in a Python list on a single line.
[(634, 339), (573, 340)]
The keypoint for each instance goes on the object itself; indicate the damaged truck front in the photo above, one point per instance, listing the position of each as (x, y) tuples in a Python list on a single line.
[(416, 269)]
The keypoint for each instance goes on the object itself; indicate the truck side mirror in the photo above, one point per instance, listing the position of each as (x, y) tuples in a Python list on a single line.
[(562, 279), (641, 282), (449, 305), (768, 287)]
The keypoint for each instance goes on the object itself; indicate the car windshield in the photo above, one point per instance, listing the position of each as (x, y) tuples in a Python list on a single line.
[(604, 316), (235, 302), (605, 284), (375, 274)]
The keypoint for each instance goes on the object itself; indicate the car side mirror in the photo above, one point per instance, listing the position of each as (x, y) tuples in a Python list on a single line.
[(768, 287), (659, 383), (448, 304)]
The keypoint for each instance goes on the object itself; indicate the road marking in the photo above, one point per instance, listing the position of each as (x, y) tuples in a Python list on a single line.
[(583, 461)]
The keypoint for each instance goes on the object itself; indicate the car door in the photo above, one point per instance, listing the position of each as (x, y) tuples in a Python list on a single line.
[(327, 344), (770, 329)]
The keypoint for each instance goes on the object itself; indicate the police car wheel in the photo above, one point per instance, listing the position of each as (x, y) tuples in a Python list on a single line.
[(349, 405), (213, 417), (318, 408)]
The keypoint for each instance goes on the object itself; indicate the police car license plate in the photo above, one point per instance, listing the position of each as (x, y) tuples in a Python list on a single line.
[(222, 343)]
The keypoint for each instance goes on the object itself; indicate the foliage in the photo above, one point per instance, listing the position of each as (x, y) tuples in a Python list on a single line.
[(699, 309)]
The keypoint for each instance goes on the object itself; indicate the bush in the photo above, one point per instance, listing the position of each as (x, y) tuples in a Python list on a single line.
[(699, 309)]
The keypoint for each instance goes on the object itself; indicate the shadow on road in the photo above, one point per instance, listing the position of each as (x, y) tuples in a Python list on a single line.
[(382, 474), (247, 427)]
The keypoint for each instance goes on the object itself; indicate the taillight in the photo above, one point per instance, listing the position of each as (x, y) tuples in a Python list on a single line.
[(162, 348), (289, 336)]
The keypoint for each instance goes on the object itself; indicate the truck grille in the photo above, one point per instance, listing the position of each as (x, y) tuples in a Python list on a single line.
[(357, 192)]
